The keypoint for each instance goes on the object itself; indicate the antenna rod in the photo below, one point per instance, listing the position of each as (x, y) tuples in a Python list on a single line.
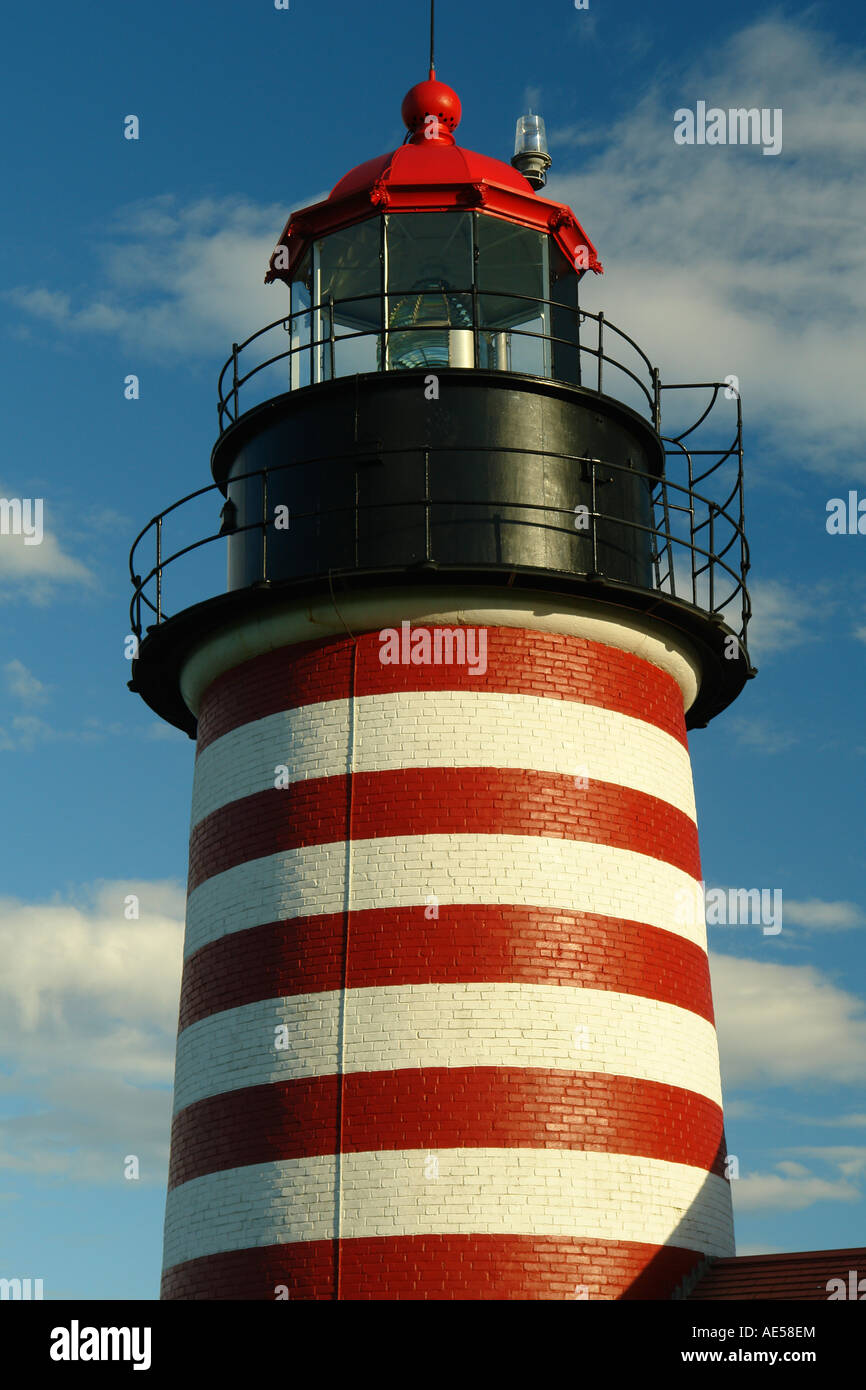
[(432, 28)]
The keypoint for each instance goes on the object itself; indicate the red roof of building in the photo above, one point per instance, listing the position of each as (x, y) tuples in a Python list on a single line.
[(430, 173), (805, 1276)]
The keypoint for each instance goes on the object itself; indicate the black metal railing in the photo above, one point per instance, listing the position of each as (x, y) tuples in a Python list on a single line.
[(699, 551), (318, 354)]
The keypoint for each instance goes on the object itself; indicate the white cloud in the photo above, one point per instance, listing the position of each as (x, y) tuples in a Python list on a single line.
[(786, 1025), (24, 732), (88, 1017), (721, 260), (33, 571), (850, 1159), (782, 617), (740, 1109), (27, 731), (23, 684), (27, 565), (820, 915), (163, 733), (175, 278), (789, 1190), (792, 1169), (786, 616), (762, 735), (850, 1121)]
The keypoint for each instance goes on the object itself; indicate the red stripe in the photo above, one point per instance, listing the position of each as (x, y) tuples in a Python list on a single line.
[(519, 662), (466, 944), (447, 1108), (438, 1267), (441, 801)]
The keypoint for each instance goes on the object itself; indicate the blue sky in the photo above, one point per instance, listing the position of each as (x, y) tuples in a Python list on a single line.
[(148, 257)]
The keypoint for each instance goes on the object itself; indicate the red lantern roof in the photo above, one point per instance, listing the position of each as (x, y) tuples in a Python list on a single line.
[(431, 173)]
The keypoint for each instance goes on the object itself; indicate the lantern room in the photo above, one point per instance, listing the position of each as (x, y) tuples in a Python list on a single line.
[(433, 257), (433, 289)]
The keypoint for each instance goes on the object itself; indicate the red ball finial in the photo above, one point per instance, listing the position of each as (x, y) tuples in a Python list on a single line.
[(432, 107)]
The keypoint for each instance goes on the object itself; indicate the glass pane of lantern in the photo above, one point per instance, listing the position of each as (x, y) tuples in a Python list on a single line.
[(530, 347), (349, 270), (511, 262), (429, 274), (301, 322), (429, 246), (353, 355), (302, 284)]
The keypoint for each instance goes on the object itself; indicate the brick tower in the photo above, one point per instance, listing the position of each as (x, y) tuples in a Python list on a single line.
[(446, 1029)]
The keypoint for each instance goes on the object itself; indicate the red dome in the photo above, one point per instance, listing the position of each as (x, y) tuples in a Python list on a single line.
[(430, 173), (431, 163)]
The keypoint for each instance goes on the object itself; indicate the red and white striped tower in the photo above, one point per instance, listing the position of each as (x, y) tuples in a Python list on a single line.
[(446, 1028)]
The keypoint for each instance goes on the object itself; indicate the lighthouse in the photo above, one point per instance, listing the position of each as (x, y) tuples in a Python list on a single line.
[(446, 1027)]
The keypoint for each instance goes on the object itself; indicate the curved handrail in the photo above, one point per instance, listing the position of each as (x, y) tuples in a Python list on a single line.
[(713, 556), (328, 308), (710, 529)]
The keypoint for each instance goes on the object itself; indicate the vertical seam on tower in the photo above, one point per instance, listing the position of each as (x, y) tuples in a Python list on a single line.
[(347, 901)]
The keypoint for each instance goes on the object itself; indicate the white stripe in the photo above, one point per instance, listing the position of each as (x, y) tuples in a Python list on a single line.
[(399, 1027), (538, 1192), (445, 728), (403, 871)]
